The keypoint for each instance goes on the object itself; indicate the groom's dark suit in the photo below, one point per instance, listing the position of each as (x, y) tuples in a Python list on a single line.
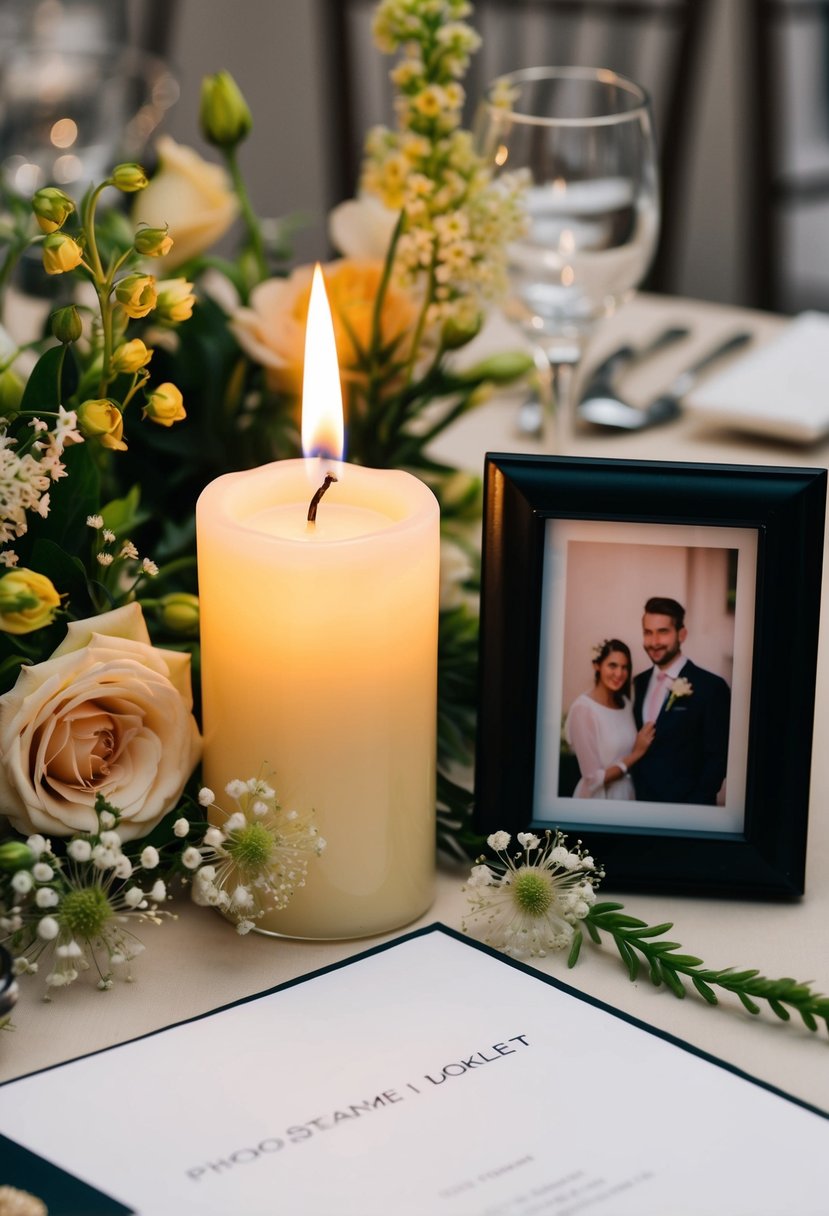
[(687, 760)]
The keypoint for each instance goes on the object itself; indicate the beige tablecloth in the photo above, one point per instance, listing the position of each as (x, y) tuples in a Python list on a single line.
[(197, 962)]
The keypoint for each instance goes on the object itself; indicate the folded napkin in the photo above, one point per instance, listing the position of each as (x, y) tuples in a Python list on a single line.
[(779, 389)]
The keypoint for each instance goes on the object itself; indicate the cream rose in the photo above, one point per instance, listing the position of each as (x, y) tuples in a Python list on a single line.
[(108, 713), (272, 330), (191, 197)]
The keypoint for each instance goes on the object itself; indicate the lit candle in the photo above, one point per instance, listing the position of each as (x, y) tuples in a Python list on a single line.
[(319, 659)]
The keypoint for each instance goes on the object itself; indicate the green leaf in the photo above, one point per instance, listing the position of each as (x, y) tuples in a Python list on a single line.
[(575, 948), (748, 1003), (672, 980), (628, 957), (602, 908), (685, 960), (780, 1010), (595, 936), (808, 1019), (650, 930), (122, 514), (41, 391), (703, 989)]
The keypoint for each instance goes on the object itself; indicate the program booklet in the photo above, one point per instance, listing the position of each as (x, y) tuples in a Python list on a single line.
[(426, 1077)]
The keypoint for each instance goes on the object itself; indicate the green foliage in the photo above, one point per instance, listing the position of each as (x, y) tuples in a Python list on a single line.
[(634, 940)]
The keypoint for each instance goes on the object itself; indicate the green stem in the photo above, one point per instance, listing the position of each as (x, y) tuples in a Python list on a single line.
[(248, 214), (634, 938)]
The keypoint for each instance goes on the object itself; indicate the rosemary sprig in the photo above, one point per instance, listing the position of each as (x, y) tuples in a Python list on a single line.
[(635, 938)]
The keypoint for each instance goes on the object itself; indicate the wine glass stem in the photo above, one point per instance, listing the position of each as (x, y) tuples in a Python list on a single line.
[(562, 386)]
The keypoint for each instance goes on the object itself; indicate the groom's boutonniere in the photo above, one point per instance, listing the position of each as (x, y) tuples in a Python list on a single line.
[(680, 688)]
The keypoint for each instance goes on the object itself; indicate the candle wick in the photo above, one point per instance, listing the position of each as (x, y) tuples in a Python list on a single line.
[(312, 509)]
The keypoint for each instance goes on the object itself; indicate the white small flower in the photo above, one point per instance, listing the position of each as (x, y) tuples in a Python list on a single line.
[(260, 808), (528, 840), (22, 882), (191, 858), (108, 535), (159, 891), (128, 550), (241, 898), (38, 844), (123, 867), (79, 850), (244, 926), (95, 521), (104, 559), (529, 907), (69, 950), (236, 789), (47, 897), (42, 872), (235, 823), (181, 827), (133, 897), (213, 837), (150, 857), (48, 928), (110, 840), (498, 841), (149, 567), (108, 821), (206, 796)]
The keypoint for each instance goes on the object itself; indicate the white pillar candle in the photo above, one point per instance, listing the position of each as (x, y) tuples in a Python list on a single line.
[(319, 671)]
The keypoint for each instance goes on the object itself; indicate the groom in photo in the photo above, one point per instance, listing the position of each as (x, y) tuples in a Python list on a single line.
[(690, 706)]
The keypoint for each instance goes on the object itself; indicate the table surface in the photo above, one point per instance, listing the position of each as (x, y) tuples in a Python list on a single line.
[(197, 962)]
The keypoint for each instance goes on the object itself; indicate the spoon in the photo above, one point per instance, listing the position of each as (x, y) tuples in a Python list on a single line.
[(602, 406), (531, 411)]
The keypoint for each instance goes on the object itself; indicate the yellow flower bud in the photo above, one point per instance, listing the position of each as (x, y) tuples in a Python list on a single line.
[(225, 116), (131, 356), (102, 420), (28, 601), (129, 177), (175, 301), (60, 253), (52, 208), (179, 612), (153, 242), (165, 405), (66, 324), (136, 294)]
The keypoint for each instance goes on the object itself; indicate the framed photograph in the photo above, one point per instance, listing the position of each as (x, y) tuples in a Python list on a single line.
[(649, 638)]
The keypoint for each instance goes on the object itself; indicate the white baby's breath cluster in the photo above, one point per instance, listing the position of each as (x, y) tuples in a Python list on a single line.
[(27, 471), (456, 221), (527, 903), (74, 912), (124, 568), (253, 858)]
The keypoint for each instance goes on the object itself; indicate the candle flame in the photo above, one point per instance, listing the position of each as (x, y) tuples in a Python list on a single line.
[(322, 398)]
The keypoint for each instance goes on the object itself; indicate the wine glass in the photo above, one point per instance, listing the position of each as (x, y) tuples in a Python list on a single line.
[(582, 138)]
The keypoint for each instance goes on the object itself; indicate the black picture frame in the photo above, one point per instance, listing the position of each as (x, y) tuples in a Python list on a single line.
[(784, 508)]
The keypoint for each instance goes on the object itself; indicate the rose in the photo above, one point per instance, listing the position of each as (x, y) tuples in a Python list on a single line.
[(190, 196), (272, 330), (107, 714)]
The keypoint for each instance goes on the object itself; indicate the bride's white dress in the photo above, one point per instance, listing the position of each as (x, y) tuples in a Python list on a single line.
[(600, 736)]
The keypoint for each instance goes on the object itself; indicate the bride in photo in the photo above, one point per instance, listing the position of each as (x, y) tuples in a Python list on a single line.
[(601, 730)]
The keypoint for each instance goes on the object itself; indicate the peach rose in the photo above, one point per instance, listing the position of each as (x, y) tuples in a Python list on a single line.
[(272, 330), (108, 713)]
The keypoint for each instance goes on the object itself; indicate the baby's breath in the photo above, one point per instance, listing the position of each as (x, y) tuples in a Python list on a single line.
[(252, 859), (528, 902)]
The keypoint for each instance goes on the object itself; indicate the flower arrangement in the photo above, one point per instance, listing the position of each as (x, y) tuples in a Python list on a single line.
[(144, 389), (164, 367)]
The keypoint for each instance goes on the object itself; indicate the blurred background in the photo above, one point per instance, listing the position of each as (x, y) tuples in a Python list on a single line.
[(740, 91)]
